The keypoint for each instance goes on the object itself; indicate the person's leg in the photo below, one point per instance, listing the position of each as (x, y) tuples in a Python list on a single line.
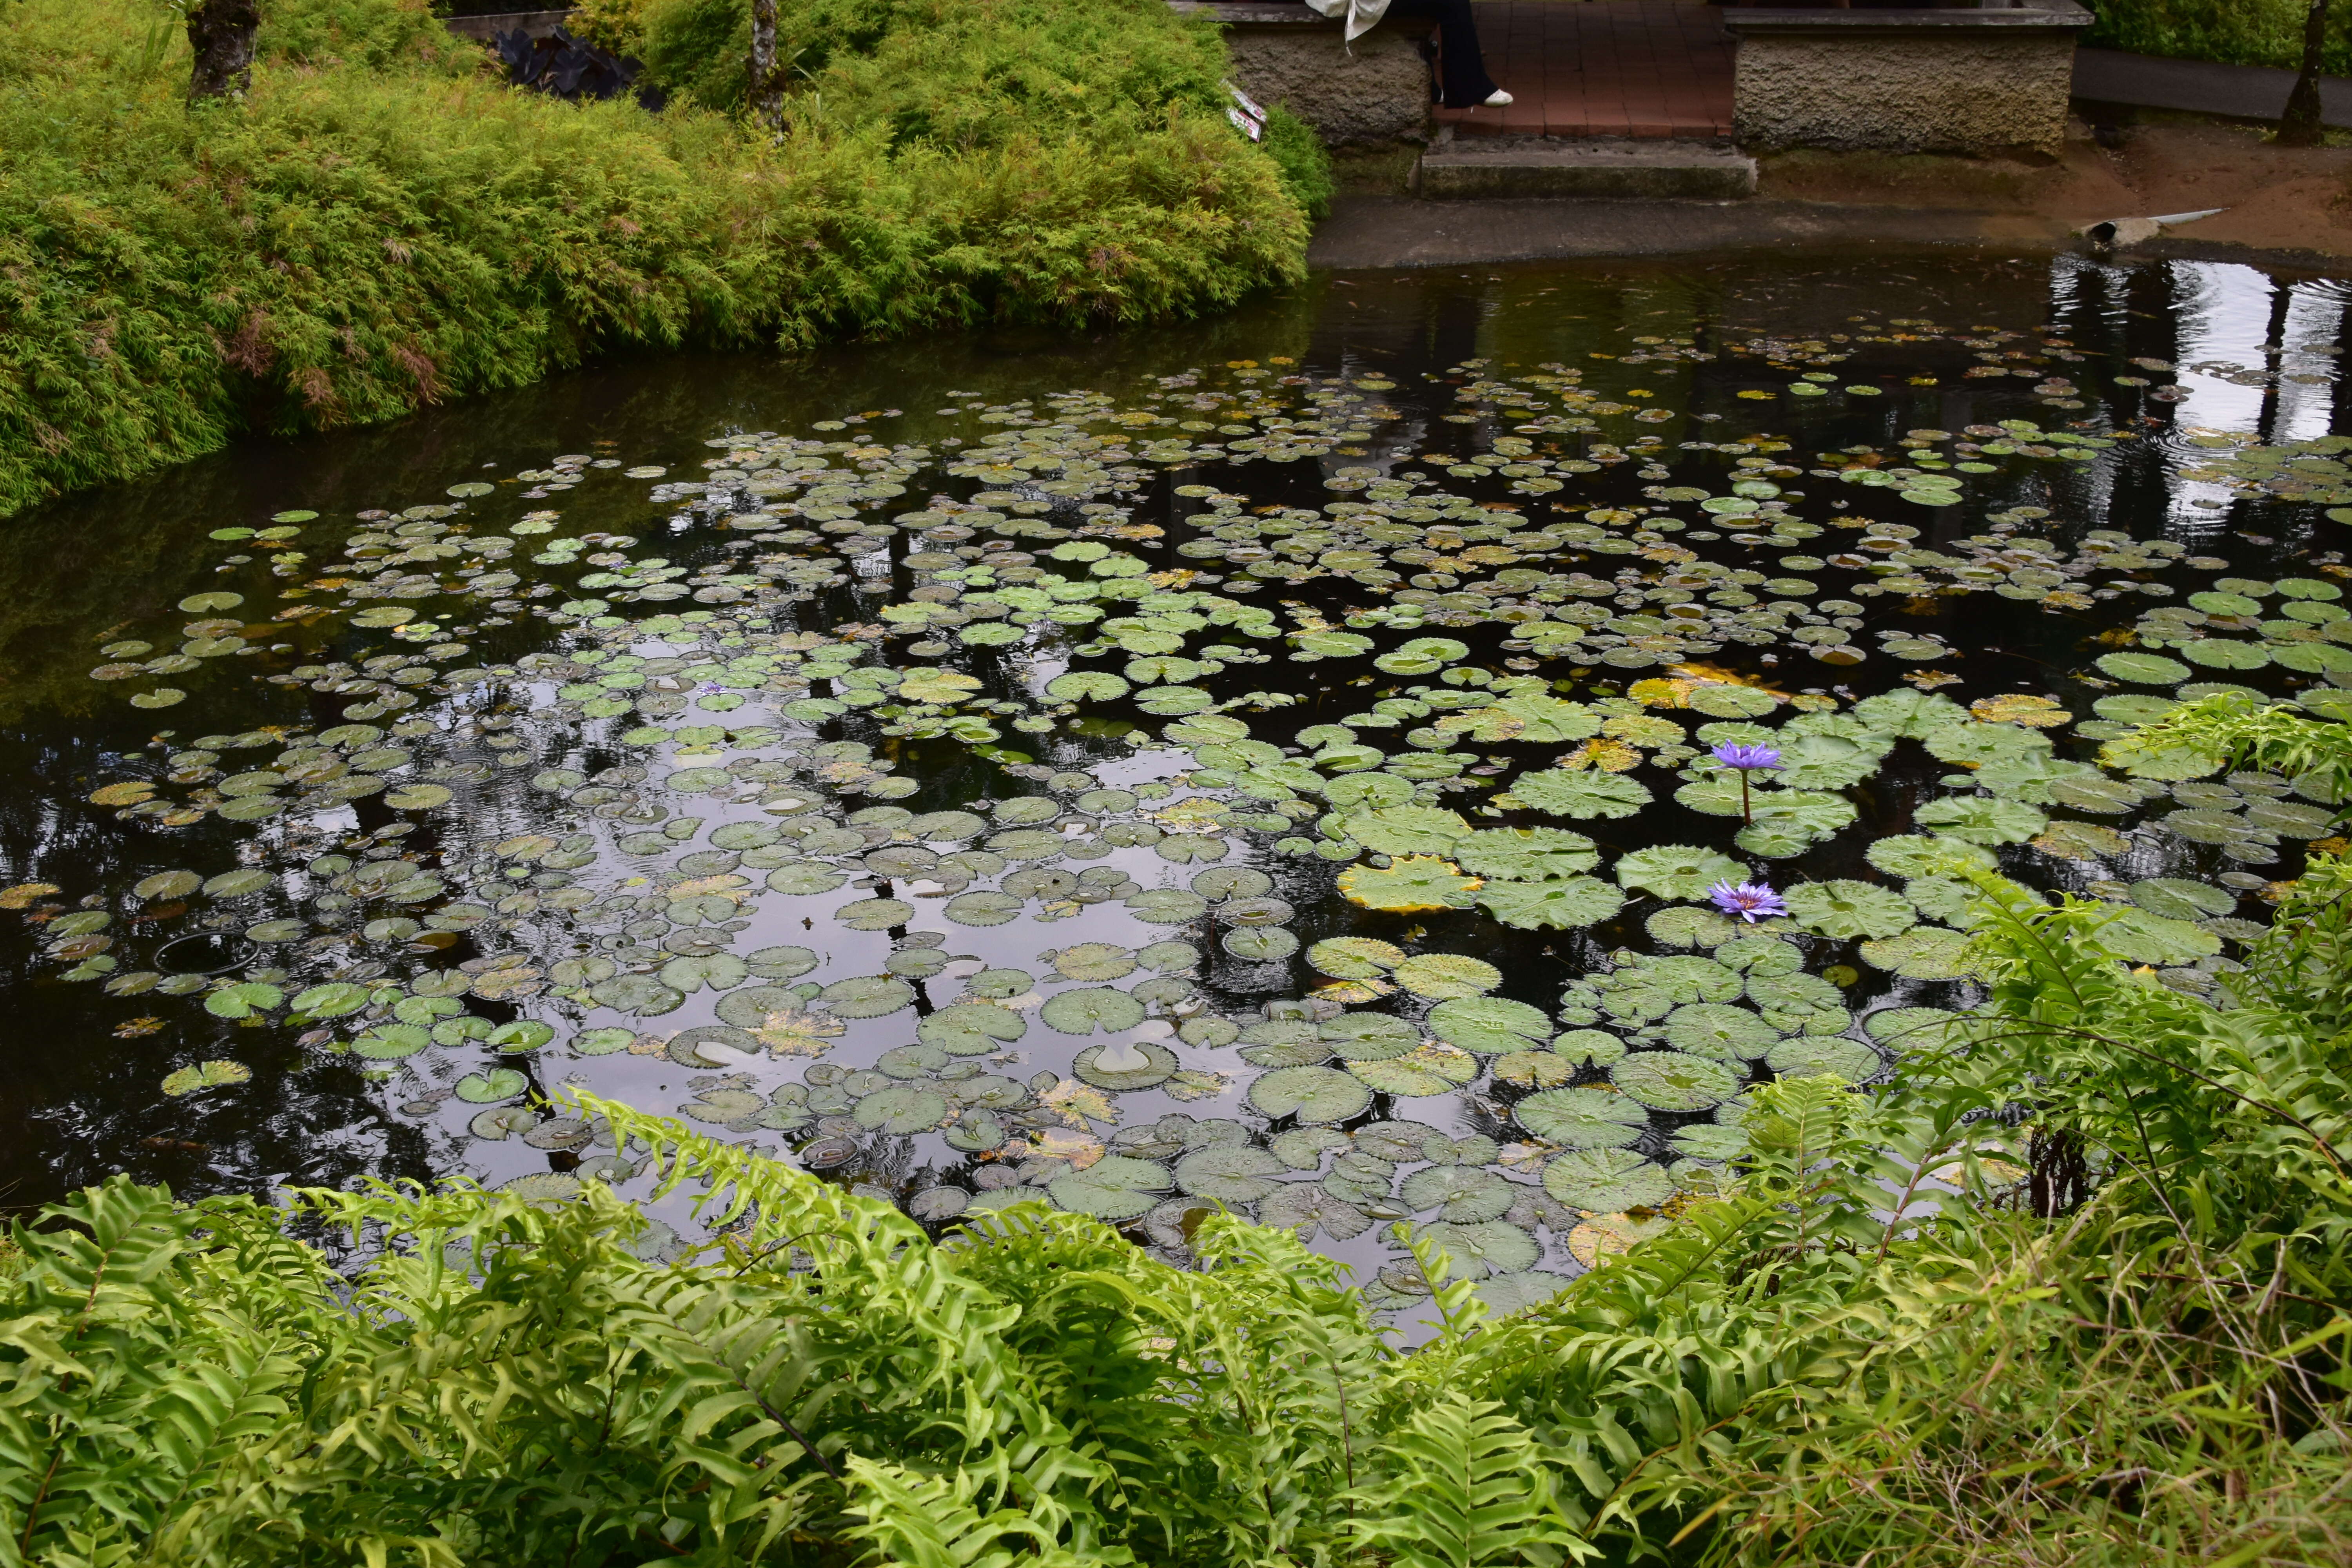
[(1463, 69)]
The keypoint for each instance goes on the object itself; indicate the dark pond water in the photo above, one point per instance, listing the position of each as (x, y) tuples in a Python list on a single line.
[(1269, 761)]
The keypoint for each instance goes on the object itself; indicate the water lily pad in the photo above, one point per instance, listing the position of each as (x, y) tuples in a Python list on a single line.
[(1678, 872), (640, 994), (1589, 794), (1232, 1173), (902, 1108), (1369, 1037), (1266, 945), (1167, 906), (1815, 1055), (1116, 1187), (491, 1087), (2145, 937), (1976, 819), (1426, 1069), (1354, 957), (864, 997), (204, 1074), (1082, 1012), (720, 972), (1315, 1094), (1459, 1192), (1444, 975), (1674, 1080), (1557, 905), (781, 962), (1582, 1118), (1489, 1026), (1717, 1029), (971, 1028), (1924, 953), (1100, 1065), (245, 1000), (1411, 883), (1846, 909), (2144, 668), (1407, 829), (2178, 899), (1607, 1180), (1526, 854)]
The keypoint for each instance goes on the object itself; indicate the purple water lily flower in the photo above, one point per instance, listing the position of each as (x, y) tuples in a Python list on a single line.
[(1746, 760), (1751, 901)]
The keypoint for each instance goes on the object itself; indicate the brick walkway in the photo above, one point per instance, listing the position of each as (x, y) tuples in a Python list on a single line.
[(1603, 67)]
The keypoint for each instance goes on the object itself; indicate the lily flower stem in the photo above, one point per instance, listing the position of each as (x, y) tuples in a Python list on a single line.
[(1746, 815)]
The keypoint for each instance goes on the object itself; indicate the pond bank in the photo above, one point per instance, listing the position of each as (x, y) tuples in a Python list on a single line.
[(2281, 206)]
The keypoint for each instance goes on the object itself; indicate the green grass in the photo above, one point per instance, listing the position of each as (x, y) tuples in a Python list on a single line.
[(383, 224)]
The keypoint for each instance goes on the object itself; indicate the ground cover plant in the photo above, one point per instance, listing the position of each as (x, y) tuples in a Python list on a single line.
[(379, 223)]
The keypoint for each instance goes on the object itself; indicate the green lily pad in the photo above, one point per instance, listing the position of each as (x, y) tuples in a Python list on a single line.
[(1559, 905), (1815, 1055), (901, 1109), (1116, 1187), (2144, 668), (1678, 872), (1082, 1012), (492, 1087), (1607, 1180), (1564, 791), (864, 997), (1442, 976), (1719, 1030), (1674, 1080), (1407, 830), (1582, 1118), (2145, 937), (1426, 1069), (1489, 1026), (1845, 909), (204, 1074), (1313, 1094), (1463, 1194), (1924, 953)]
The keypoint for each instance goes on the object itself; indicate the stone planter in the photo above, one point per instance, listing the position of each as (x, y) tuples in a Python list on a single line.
[(1374, 91), (1983, 82)]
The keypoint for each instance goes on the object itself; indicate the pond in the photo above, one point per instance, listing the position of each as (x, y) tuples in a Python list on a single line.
[(1300, 762)]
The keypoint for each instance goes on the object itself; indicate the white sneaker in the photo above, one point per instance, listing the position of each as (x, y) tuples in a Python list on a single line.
[(1499, 98)]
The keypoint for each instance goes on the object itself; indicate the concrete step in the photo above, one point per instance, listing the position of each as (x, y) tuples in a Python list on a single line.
[(1543, 166)]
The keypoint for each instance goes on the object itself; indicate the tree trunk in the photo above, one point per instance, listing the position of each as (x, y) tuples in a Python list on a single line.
[(220, 34), (2061, 1175), (2300, 125), (767, 81)]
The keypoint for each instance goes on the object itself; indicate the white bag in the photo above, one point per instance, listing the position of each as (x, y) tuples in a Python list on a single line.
[(1363, 14)]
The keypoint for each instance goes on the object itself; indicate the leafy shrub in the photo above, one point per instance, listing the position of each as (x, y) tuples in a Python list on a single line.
[(1306, 164), (618, 26), (354, 241), (2240, 33), (371, 33)]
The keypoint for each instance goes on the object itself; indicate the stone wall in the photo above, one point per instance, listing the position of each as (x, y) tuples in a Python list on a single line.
[(1374, 91), (1982, 83)]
